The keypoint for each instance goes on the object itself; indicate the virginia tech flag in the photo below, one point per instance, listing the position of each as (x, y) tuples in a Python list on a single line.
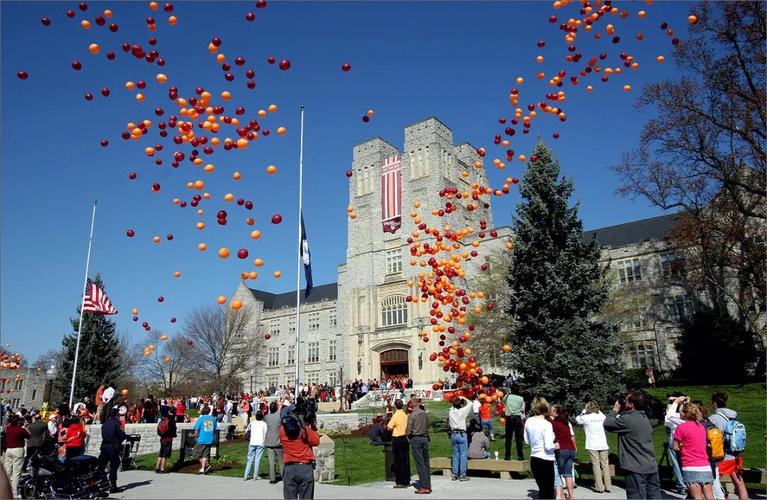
[(391, 194), (306, 258)]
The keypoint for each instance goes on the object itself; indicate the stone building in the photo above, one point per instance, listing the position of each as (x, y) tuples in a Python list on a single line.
[(23, 387), (364, 326)]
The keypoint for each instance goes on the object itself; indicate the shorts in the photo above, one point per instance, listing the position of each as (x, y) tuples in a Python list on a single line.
[(697, 477), (730, 467), (565, 462), (201, 451), (166, 448)]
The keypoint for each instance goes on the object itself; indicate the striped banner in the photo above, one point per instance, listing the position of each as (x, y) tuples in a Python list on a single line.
[(391, 194)]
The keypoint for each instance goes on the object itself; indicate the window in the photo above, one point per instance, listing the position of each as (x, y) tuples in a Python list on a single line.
[(314, 321), (641, 355), (290, 379), (34, 394), (312, 377), (313, 353), (272, 381), (292, 326), (274, 327), (332, 350), (637, 322), (332, 320), (681, 307), (19, 384), (629, 270), (332, 378), (394, 311), (393, 261), (672, 265), (291, 356), (15, 403), (273, 356)]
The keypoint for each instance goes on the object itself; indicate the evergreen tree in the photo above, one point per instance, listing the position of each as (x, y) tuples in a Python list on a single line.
[(100, 359), (564, 352)]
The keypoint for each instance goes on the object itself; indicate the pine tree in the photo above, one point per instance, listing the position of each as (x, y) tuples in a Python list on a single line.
[(564, 352), (99, 361)]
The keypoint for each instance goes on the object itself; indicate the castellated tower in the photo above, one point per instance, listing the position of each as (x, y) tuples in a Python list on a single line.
[(380, 326)]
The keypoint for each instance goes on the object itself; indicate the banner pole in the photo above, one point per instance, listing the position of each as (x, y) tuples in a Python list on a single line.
[(297, 347)]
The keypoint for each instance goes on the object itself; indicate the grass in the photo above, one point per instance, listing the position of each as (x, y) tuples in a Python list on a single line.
[(365, 462)]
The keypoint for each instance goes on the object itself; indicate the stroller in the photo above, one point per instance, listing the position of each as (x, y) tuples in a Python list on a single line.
[(128, 452)]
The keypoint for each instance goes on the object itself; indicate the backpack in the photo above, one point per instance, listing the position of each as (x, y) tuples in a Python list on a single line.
[(162, 427), (292, 426), (714, 441), (734, 436)]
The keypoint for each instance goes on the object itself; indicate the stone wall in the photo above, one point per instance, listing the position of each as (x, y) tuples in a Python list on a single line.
[(150, 441), (325, 455), (342, 422)]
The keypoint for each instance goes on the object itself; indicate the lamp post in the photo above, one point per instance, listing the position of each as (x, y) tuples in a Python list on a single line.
[(50, 375)]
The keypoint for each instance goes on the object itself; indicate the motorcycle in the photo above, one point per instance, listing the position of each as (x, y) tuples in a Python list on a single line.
[(76, 477)]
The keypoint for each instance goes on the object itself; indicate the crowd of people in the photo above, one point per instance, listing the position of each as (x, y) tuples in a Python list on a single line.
[(703, 446), (358, 388)]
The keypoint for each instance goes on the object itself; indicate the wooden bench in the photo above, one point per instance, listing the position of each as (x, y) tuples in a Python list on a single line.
[(504, 467)]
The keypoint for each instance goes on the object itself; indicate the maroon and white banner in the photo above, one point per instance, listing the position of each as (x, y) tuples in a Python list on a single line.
[(391, 194)]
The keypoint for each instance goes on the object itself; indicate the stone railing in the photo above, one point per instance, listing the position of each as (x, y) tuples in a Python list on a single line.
[(150, 441), (342, 422), (378, 398), (325, 455)]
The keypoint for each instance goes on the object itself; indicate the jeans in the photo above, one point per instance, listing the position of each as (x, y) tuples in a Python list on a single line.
[(254, 455), (488, 424), (675, 464), (602, 479), (401, 452), (274, 455), (642, 485), (298, 481), (420, 447), (543, 472), (514, 429), (460, 453), (565, 461)]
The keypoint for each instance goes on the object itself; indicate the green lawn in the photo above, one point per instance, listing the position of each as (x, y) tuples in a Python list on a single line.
[(365, 462)]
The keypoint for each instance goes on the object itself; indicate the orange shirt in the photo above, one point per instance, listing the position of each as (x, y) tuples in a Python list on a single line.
[(484, 411), (299, 450)]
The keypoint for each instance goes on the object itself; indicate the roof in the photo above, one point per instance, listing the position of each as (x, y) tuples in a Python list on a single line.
[(288, 299), (654, 228)]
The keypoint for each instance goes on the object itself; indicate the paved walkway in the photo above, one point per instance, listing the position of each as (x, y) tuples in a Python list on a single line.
[(146, 484)]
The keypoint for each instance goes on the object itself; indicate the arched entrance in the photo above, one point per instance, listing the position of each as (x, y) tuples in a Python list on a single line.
[(394, 362)]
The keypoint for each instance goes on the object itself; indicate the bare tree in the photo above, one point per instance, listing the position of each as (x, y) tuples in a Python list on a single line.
[(54, 357), (222, 347), (708, 136), (168, 364)]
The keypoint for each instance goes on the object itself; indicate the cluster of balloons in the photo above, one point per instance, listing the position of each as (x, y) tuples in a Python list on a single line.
[(10, 361)]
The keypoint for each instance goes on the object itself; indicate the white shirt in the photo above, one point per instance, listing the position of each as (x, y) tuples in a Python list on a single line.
[(673, 418), (539, 435), (107, 395), (475, 405), (456, 417), (257, 432), (593, 424)]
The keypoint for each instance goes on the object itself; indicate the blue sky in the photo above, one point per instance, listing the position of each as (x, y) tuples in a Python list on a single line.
[(456, 61)]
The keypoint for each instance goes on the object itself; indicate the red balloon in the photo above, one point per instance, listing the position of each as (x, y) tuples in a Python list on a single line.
[(349, 173), (366, 118), (70, 13), (242, 253), (104, 143), (284, 64), (45, 21), (173, 319), (22, 75), (105, 92), (271, 59), (261, 4), (76, 65), (156, 186), (346, 67), (160, 299), (267, 336), (130, 233), (88, 96), (189, 342), (250, 17), (83, 6), (276, 218), (170, 236), (132, 175)]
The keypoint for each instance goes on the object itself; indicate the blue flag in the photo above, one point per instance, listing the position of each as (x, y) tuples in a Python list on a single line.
[(306, 258)]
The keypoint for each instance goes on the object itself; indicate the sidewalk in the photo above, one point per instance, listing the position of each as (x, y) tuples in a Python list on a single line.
[(146, 484)]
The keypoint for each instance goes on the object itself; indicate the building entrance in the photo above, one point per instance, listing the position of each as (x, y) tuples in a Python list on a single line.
[(394, 362)]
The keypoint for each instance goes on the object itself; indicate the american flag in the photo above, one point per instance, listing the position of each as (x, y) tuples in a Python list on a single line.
[(96, 301), (391, 194)]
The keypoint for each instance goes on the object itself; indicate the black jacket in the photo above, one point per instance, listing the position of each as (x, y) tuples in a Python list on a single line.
[(112, 434)]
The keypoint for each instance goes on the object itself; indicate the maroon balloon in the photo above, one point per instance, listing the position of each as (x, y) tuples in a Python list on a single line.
[(168, 7), (284, 65), (173, 319), (132, 175), (135, 318), (251, 84), (239, 60), (130, 233), (45, 21), (169, 236), (104, 143), (156, 186), (267, 336), (113, 27), (105, 92), (349, 173), (366, 118), (22, 75), (346, 67), (216, 41), (160, 299), (242, 253), (70, 13), (111, 55), (189, 342), (261, 4), (250, 16), (76, 65), (271, 59), (276, 218)]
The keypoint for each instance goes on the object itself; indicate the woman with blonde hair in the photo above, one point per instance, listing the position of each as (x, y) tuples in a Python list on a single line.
[(592, 421), (539, 435), (690, 442)]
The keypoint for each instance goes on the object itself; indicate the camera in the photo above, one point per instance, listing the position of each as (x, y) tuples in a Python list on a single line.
[(306, 410)]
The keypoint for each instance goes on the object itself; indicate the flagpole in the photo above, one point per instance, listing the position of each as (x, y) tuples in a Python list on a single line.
[(82, 306), (298, 256)]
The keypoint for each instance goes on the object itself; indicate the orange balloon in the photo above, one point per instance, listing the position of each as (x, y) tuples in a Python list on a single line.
[(258, 262), (124, 392), (163, 337), (221, 299), (85, 24), (252, 275), (236, 304), (177, 274), (172, 20), (277, 274), (255, 234), (281, 130), (660, 59), (202, 247), (272, 108), (161, 78), (271, 170), (94, 48), (506, 348), (135, 311), (236, 176), (692, 19), (223, 253), (167, 359), (156, 239)]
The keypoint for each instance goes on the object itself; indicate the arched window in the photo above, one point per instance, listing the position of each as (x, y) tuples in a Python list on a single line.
[(394, 311)]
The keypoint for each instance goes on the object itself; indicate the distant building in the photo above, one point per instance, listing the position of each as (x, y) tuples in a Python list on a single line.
[(363, 323), (22, 387)]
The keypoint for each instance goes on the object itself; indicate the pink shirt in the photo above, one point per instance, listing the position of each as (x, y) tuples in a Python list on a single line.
[(692, 438)]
